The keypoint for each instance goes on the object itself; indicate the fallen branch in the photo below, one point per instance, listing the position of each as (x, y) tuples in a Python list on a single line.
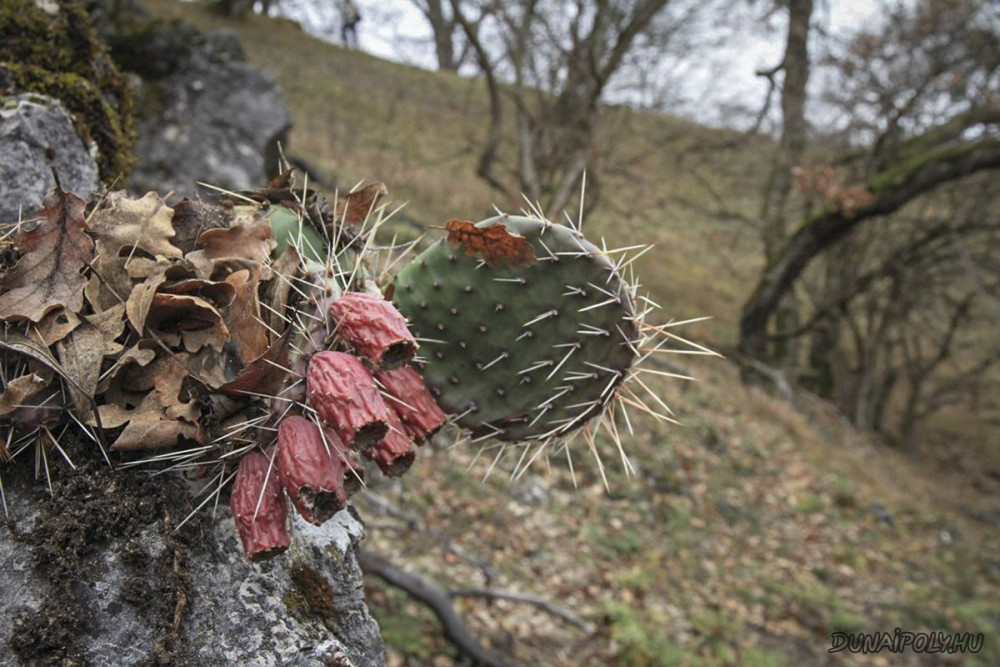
[(437, 599), (526, 598)]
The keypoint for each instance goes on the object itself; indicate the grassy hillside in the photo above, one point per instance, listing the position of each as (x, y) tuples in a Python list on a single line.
[(752, 531)]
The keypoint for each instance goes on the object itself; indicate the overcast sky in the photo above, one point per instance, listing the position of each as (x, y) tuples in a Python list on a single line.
[(703, 88)]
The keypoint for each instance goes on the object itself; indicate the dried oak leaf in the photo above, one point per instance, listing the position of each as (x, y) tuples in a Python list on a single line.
[(163, 417), (140, 354), (143, 223), (265, 374), (219, 294), (141, 300), (55, 326), (83, 351), (243, 316), (248, 237), (176, 314), (494, 244), (278, 292), (48, 275), (355, 207), (191, 218), (19, 390), (109, 282), (214, 368)]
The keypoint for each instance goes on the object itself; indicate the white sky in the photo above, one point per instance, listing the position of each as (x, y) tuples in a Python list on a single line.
[(702, 88)]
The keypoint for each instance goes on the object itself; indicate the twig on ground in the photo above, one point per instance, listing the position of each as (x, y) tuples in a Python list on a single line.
[(526, 598), (435, 597)]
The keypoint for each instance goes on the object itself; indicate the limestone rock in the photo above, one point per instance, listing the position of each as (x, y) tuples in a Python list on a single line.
[(214, 119), (36, 134), (98, 574)]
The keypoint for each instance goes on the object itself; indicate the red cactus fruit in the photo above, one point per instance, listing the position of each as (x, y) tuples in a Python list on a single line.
[(263, 527), (311, 469), (373, 327), (394, 454), (344, 395), (416, 407)]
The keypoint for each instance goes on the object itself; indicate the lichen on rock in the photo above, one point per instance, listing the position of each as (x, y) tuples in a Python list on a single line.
[(50, 48), (99, 574)]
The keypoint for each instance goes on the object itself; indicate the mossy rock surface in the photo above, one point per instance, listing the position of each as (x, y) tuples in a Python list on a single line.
[(51, 48)]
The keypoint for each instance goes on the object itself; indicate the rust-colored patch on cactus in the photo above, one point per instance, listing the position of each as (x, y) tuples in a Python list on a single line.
[(345, 397), (494, 244), (259, 509)]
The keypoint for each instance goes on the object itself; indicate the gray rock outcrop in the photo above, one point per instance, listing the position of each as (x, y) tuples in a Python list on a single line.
[(214, 119), (98, 574), (37, 134)]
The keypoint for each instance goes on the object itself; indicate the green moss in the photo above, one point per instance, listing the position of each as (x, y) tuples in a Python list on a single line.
[(640, 637), (315, 590), (61, 56), (809, 503), (845, 621)]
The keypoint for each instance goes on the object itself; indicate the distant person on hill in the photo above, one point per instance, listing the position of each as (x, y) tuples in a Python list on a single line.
[(350, 16)]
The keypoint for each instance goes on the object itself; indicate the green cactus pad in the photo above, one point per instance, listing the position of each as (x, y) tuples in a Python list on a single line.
[(524, 352)]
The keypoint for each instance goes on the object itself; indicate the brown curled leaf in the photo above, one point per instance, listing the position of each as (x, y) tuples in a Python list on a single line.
[(49, 274), (165, 415), (265, 374), (247, 238), (19, 390), (355, 207), (494, 244), (145, 224), (243, 316)]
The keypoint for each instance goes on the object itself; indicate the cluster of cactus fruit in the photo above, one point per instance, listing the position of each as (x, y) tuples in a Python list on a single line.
[(525, 330), (314, 461)]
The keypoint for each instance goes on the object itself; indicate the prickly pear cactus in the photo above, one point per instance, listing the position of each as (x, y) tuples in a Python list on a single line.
[(251, 330), (528, 327)]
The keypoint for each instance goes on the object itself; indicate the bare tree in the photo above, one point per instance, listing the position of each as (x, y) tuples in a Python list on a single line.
[(552, 61), (795, 66), (450, 47), (897, 266), (929, 133)]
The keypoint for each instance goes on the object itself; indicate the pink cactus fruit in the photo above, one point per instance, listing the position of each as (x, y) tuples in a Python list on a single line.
[(259, 509), (374, 328), (345, 397), (311, 469), (394, 454), (416, 407)]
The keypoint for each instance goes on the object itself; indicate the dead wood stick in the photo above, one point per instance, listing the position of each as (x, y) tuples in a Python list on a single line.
[(526, 598), (432, 595)]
